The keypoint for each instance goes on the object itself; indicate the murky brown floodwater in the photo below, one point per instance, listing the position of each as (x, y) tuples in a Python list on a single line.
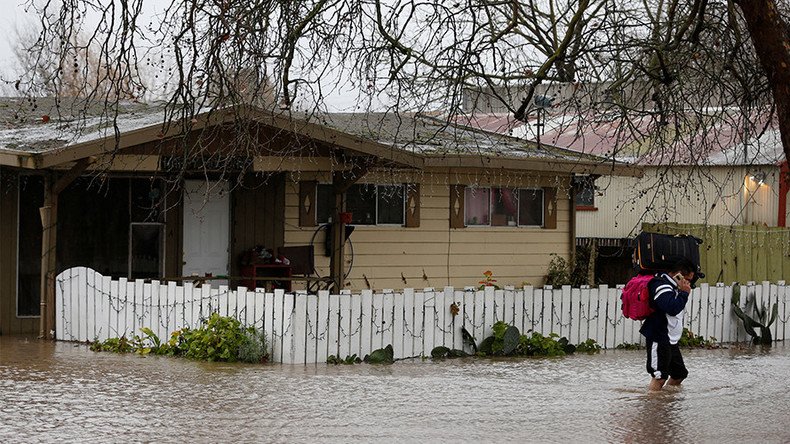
[(66, 393)]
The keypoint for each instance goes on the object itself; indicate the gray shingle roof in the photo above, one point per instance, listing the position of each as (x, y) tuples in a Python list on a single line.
[(432, 136), (44, 126)]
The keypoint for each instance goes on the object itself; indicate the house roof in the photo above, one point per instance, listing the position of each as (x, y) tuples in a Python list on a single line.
[(720, 137), (41, 133), (442, 143)]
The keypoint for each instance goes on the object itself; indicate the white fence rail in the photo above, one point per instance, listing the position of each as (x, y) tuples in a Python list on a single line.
[(304, 328)]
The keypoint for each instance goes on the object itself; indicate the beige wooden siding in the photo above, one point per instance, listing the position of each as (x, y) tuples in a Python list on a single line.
[(714, 196), (9, 322), (433, 254)]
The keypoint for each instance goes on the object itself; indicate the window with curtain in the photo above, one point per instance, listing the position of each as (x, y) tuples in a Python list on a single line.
[(500, 207)]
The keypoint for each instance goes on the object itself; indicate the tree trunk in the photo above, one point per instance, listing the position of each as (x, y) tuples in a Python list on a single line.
[(772, 43)]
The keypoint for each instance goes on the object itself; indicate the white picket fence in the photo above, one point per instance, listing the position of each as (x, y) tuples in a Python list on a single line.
[(304, 328)]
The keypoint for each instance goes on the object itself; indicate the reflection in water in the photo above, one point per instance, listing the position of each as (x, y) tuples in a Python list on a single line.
[(64, 392)]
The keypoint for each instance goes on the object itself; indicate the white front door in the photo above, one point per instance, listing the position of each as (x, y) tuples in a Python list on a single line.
[(206, 228)]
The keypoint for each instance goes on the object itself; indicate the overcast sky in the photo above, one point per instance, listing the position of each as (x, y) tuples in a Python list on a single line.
[(13, 16), (11, 13)]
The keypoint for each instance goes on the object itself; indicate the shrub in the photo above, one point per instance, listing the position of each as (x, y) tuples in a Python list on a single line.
[(219, 338), (507, 341), (559, 272), (589, 346), (688, 339)]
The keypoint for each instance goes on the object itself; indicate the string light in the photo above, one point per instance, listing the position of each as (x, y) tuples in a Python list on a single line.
[(598, 311)]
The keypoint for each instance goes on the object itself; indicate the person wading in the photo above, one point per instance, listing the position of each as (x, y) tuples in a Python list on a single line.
[(669, 293)]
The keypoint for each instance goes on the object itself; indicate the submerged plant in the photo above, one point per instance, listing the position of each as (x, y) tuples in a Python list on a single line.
[(629, 346), (219, 338), (384, 355), (508, 341), (689, 339), (589, 346), (442, 352), (754, 317), (352, 359)]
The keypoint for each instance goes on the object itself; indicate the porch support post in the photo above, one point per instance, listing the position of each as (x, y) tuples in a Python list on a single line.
[(45, 212), (572, 223), (341, 182), (337, 265), (49, 242), (784, 179)]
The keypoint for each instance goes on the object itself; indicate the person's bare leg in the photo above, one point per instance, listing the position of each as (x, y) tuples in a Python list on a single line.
[(656, 384), (673, 381)]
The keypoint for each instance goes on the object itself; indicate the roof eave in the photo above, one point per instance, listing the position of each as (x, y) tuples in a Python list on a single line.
[(128, 139), (20, 159), (535, 164)]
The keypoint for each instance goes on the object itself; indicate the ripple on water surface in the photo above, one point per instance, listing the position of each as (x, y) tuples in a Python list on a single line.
[(64, 392)]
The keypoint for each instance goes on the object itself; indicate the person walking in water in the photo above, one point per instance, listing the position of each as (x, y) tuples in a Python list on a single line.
[(669, 293)]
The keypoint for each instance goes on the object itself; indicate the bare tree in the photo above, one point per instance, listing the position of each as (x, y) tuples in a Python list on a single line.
[(660, 67)]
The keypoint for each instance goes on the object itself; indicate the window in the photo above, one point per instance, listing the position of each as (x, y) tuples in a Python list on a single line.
[(368, 204), (477, 204), (530, 211), (389, 204), (585, 191), (501, 207), (504, 207), (361, 203)]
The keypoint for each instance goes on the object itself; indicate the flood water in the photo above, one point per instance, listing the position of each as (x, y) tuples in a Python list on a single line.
[(64, 392)]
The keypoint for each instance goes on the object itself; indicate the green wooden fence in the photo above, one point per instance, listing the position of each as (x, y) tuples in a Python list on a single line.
[(738, 253)]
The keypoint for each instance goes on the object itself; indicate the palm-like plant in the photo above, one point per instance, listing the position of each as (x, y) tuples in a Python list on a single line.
[(758, 319)]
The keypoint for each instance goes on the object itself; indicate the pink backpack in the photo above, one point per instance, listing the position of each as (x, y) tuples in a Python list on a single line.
[(636, 298)]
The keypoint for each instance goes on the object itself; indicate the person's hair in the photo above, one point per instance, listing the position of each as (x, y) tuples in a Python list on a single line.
[(682, 265)]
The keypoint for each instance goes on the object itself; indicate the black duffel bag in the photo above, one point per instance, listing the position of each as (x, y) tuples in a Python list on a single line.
[(655, 252)]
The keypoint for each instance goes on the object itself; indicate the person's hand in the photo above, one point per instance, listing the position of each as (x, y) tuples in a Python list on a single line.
[(685, 285)]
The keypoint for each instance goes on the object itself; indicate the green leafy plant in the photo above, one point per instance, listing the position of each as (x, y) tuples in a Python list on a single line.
[(384, 355), (559, 272), (442, 352), (220, 338), (754, 317), (539, 345), (689, 339), (116, 345), (508, 341), (253, 348), (629, 346), (353, 359), (589, 346)]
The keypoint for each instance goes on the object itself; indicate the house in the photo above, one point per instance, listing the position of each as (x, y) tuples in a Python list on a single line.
[(730, 173), (132, 192)]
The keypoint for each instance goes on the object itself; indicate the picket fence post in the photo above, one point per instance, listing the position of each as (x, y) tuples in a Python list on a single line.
[(303, 329)]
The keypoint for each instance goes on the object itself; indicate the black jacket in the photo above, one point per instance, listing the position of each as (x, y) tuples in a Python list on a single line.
[(665, 324)]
